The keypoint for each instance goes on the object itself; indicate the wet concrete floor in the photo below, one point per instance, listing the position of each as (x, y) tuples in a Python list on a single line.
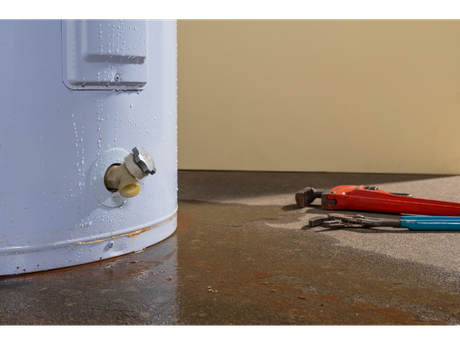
[(243, 255)]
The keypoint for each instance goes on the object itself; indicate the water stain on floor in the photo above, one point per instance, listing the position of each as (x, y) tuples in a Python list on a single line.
[(235, 269)]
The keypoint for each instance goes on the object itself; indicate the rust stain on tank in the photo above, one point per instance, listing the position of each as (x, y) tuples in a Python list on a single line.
[(129, 234)]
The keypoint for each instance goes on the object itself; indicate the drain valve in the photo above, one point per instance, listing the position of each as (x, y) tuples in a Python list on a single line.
[(124, 177)]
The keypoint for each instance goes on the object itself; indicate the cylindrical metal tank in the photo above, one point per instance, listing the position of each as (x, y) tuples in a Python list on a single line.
[(77, 96)]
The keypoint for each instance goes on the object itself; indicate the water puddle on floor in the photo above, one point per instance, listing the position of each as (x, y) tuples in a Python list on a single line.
[(236, 264), (138, 288)]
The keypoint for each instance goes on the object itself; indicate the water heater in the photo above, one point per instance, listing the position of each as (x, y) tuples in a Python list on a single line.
[(88, 140)]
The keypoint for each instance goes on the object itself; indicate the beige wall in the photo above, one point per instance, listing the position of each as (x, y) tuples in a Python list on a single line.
[(318, 95)]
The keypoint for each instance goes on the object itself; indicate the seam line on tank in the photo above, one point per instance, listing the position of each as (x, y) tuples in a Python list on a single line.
[(129, 234), (35, 248)]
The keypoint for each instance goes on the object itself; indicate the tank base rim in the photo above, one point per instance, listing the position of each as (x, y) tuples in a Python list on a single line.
[(84, 252)]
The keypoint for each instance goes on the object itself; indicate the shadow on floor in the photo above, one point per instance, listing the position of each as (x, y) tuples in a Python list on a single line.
[(229, 185)]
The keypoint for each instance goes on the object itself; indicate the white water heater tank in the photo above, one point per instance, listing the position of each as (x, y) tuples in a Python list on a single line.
[(88, 140)]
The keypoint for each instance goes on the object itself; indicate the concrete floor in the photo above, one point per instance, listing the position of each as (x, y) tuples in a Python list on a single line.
[(242, 254)]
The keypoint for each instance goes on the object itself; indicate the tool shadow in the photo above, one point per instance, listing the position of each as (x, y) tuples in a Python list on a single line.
[(316, 210)]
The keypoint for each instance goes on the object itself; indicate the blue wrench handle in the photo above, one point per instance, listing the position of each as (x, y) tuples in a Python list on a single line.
[(430, 223)]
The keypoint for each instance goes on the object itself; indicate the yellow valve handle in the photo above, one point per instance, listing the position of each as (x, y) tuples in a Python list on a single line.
[(129, 187)]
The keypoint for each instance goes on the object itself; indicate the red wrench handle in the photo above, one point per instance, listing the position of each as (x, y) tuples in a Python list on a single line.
[(358, 198)]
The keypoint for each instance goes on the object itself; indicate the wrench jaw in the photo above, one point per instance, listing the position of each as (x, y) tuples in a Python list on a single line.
[(330, 221), (339, 224), (324, 221), (302, 197), (317, 221), (306, 196), (338, 221)]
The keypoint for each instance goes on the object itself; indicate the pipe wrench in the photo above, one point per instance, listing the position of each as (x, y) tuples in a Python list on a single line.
[(366, 198)]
